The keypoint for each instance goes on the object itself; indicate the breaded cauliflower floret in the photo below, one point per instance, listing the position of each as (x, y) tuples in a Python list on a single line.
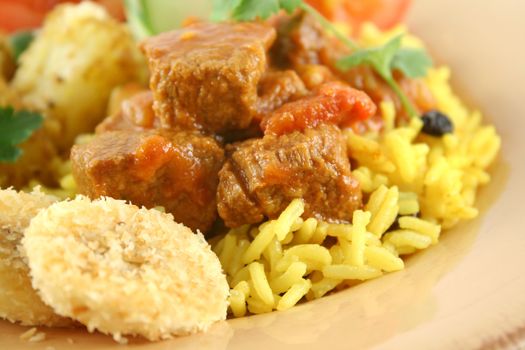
[(19, 302), (70, 68)]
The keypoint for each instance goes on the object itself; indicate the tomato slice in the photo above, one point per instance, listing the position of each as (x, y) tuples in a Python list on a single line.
[(29, 14), (384, 13)]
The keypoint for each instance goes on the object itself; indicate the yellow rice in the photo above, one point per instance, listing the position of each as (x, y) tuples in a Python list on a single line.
[(402, 173)]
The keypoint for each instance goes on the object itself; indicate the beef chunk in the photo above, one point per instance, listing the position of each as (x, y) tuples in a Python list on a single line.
[(205, 76), (302, 41), (235, 206), (176, 170), (278, 87), (135, 113), (262, 176)]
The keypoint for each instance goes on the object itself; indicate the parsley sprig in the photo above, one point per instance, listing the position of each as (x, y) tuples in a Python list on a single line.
[(15, 128), (413, 63), (20, 41), (383, 59)]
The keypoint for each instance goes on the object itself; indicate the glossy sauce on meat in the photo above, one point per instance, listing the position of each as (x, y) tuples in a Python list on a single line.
[(175, 170), (134, 113), (152, 154)]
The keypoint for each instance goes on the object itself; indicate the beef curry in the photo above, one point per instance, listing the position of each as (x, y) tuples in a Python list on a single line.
[(241, 119)]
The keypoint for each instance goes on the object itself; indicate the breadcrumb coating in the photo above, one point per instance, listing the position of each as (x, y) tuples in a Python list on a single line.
[(19, 302), (124, 270)]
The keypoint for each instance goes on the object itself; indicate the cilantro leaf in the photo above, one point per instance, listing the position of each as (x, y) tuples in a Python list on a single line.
[(412, 62), (356, 59), (380, 58), (15, 128), (223, 9), (290, 5), (249, 10), (20, 41), (9, 153)]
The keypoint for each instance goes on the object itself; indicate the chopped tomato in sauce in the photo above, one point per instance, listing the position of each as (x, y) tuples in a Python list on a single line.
[(333, 103)]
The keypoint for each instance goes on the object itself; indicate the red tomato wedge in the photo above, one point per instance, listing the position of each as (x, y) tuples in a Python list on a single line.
[(29, 14), (384, 13)]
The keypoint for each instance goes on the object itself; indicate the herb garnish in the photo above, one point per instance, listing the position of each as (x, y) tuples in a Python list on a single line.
[(20, 41), (383, 59), (15, 128)]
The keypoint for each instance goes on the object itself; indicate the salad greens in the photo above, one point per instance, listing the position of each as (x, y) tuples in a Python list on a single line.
[(19, 42), (15, 128)]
